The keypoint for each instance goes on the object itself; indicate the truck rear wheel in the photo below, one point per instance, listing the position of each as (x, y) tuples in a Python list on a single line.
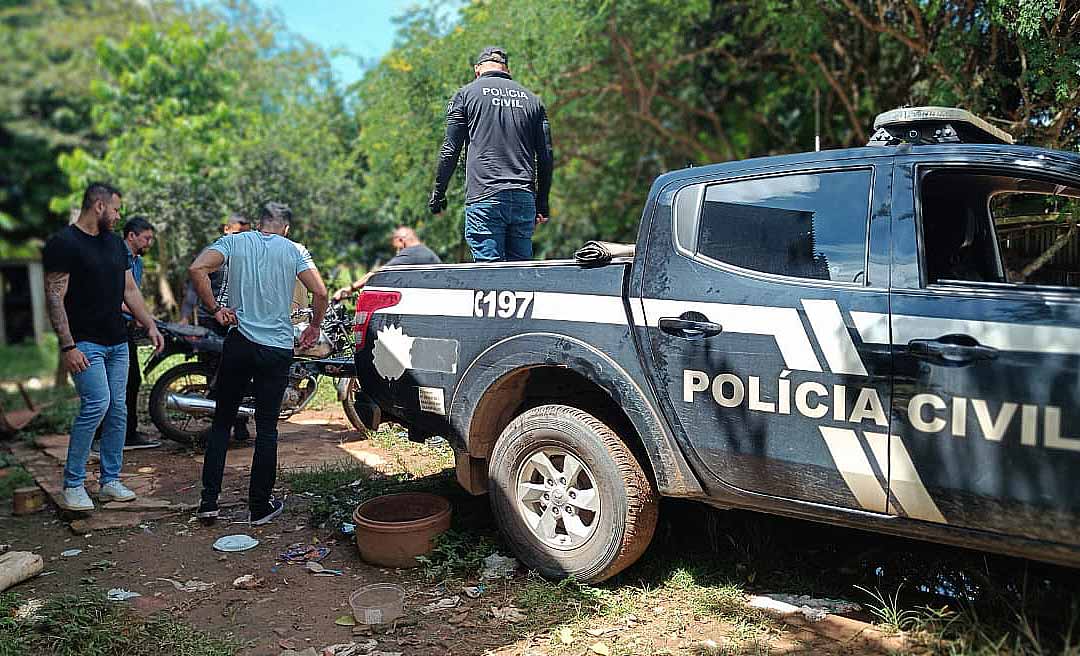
[(569, 496)]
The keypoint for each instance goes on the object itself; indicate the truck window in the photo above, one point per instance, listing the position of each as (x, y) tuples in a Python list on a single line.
[(810, 225), (999, 228)]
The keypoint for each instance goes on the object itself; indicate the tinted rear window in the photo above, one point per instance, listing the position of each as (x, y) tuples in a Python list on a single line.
[(805, 226)]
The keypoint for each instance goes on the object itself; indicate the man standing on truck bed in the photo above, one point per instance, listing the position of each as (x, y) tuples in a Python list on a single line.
[(508, 161)]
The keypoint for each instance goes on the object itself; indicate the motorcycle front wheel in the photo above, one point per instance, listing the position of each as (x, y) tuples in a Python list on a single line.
[(348, 404), (189, 379)]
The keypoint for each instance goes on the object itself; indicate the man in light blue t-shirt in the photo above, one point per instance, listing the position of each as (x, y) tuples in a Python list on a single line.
[(263, 268)]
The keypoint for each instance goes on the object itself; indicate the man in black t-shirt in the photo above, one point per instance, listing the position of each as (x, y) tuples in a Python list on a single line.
[(410, 250), (87, 280)]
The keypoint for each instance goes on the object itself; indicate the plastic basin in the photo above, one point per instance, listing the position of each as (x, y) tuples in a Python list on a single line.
[(392, 530), (378, 603)]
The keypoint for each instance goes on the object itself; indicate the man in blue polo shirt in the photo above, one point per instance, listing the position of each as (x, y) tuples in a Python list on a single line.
[(138, 237), (263, 268)]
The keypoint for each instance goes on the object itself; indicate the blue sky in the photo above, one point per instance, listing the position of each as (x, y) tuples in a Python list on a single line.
[(363, 27)]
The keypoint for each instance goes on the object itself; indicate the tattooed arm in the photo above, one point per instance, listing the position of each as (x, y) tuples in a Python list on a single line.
[(56, 286)]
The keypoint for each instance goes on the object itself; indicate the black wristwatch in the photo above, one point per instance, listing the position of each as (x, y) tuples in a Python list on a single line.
[(216, 310), (69, 347)]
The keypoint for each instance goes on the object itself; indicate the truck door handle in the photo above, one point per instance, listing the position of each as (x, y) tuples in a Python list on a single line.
[(951, 350), (690, 325)]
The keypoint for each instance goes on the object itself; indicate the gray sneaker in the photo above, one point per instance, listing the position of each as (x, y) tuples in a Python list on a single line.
[(75, 499), (115, 491)]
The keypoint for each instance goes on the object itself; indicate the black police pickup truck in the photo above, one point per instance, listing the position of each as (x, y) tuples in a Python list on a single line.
[(885, 338)]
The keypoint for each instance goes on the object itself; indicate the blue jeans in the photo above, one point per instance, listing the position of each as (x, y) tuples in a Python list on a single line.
[(102, 391), (500, 228)]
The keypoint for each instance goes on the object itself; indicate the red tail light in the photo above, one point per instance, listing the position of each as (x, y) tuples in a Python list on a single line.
[(366, 305)]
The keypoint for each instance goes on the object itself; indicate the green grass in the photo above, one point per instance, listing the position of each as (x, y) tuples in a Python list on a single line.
[(14, 478), (336, 488), (663, 603), (458, 554), (20, 362), (85, 624), (59, 406), (325, 395)]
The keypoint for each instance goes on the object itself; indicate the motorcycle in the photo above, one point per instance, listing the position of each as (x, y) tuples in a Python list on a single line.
[(181, 400)]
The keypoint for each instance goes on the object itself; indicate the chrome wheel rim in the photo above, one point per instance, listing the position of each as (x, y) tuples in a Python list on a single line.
[(557, 497)]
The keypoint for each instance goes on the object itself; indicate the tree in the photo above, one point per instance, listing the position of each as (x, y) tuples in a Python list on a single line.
[(193, 140), (46, 66), (638, 87)]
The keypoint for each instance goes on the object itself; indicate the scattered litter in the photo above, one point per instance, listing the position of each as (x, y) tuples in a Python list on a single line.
[(350, 648), (30, 611), (71, 553), (378, 603), (192, 585), (345, 620), (566, 635), (247, 582), (237, 542), (302, 553), (510, 614), (146, 470), (443, 604), (100, 565), (4, 547), (120, 594), (498, 567), (473, 592), (599, 648), (317, 569), (348, 529), (812, 609)]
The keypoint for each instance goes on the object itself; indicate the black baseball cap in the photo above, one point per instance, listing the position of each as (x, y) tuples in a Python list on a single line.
[(493, 54)]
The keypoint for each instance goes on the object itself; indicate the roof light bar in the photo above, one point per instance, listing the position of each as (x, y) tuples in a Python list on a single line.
[(934, 125)]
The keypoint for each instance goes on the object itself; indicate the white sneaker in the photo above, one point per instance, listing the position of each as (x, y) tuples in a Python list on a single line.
[(75, 499), (115, 491)]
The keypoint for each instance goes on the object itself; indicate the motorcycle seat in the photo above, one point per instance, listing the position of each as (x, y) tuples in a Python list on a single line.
[(186, 330)]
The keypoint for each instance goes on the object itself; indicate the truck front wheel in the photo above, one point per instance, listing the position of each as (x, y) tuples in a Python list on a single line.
[(569, 496)]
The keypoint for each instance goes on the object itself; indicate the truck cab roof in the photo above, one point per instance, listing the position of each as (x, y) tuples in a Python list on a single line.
[(1026, 156)]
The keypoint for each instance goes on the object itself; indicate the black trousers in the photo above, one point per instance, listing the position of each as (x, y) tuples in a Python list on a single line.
[(134, 382), (266, 370), (240, 425)]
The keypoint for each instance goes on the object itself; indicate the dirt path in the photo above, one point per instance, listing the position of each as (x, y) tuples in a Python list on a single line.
[(293, 609)]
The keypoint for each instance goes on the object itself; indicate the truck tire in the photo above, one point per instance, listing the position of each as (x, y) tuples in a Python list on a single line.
[(569, 496)]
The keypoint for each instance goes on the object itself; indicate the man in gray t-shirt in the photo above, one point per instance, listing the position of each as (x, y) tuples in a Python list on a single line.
[(410, 250), (258, 352)]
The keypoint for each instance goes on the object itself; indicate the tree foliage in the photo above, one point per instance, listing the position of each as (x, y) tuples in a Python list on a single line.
[(638, 87), (47, 64), (201, 127)]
